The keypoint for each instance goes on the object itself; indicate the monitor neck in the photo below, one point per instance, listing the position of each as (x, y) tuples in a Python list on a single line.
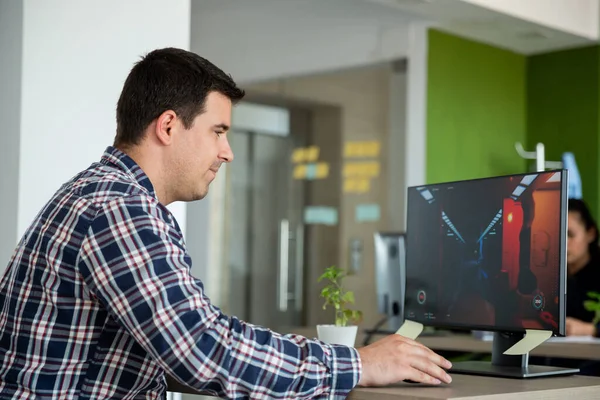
[(504, 341)]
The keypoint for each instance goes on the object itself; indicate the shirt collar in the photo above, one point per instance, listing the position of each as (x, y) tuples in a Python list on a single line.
[(115, 157)]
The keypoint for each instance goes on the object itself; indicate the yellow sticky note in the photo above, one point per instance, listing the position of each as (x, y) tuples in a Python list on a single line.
[(322, 170), (311, 154), (362, 149), (298, 155), (372, 169), (349, 169), (533, 338), (300, 171), (363, 185), (357, 185), (410, 329), (361, 169), (349, 185), (371, 149), (350, 149)]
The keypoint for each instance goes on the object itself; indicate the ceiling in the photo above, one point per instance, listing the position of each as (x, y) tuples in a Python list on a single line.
[(485, 25), (261, 40)]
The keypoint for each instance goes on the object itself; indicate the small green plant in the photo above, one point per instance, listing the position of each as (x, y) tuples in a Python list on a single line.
[(336, 296), (593, 305)]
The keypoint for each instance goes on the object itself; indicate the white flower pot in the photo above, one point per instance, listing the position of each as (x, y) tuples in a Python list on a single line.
[(331, 334)]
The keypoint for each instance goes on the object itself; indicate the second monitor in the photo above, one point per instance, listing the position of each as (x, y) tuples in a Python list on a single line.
[(489, 254), (390, 266)]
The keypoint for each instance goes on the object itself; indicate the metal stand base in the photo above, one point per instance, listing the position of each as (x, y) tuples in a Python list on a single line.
[(506, 366)]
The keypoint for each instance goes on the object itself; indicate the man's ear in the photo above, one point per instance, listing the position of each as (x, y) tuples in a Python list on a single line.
[(164, 127)]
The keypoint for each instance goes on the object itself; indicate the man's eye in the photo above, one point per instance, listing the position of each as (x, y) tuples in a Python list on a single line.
[(219, 133)]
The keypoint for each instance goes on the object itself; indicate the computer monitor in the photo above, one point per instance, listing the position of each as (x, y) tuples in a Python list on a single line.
[(490, 254), (390, 277)]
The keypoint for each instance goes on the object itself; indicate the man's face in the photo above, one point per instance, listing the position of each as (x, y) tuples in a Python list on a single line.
[(200, 151), (578, 239)]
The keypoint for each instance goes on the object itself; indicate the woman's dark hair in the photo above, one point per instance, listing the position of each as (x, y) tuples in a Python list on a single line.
[(168, 79), (579, 207)]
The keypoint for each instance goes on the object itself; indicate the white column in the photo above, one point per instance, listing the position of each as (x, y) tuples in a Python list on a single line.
[(397, 150), (407, 150), (11, 40), (416, 105)]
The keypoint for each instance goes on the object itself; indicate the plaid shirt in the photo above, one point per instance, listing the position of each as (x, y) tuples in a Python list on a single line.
[(98, 302)]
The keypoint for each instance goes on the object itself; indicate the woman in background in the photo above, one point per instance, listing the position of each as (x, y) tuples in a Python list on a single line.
[(583, 269)]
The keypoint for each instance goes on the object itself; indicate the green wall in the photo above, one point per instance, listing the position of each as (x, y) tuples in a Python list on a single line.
[(476, 109), (563, 110), (481, 100)]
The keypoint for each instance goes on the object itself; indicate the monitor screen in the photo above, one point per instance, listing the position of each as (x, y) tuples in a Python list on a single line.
[(488, 254)]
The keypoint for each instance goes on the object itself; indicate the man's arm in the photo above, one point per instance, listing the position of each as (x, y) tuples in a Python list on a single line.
[(577, 327), (135, 263)]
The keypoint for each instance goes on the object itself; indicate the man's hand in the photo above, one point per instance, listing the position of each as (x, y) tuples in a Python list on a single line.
[(577, 327), (396, 358)]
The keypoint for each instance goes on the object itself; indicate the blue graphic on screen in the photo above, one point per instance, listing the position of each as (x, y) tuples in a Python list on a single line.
[(574, 178)]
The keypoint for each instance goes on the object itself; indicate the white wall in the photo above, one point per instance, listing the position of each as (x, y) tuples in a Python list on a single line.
[(11, 37), (579, 17), (76, 56), (266, 39)]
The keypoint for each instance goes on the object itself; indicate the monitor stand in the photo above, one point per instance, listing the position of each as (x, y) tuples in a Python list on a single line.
[(506, 366)]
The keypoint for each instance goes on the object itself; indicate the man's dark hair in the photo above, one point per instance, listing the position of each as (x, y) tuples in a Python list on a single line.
[(168, 79)]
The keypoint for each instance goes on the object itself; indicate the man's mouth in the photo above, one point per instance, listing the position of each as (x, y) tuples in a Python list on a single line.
[(215, 167)]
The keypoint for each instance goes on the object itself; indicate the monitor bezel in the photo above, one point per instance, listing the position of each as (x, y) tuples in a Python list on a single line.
[(561, 331)]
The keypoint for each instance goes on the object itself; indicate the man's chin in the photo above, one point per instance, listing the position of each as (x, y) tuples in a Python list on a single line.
[(569, 260), (201, 194), (194, 196), (198, 196)]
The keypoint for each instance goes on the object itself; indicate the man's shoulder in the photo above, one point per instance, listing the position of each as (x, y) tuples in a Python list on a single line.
[(101, 184)]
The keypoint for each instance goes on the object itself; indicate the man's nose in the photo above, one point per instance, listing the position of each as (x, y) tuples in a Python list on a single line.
[(225, 153)]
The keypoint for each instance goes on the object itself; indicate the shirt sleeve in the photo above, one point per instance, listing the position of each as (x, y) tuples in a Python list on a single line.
[(136, 264)]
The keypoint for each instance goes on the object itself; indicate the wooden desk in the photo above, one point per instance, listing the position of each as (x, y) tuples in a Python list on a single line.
[(467, 343), (471, 387), (468, 387)]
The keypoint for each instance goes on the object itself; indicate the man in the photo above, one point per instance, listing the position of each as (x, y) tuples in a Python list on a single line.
[(98, 302)]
